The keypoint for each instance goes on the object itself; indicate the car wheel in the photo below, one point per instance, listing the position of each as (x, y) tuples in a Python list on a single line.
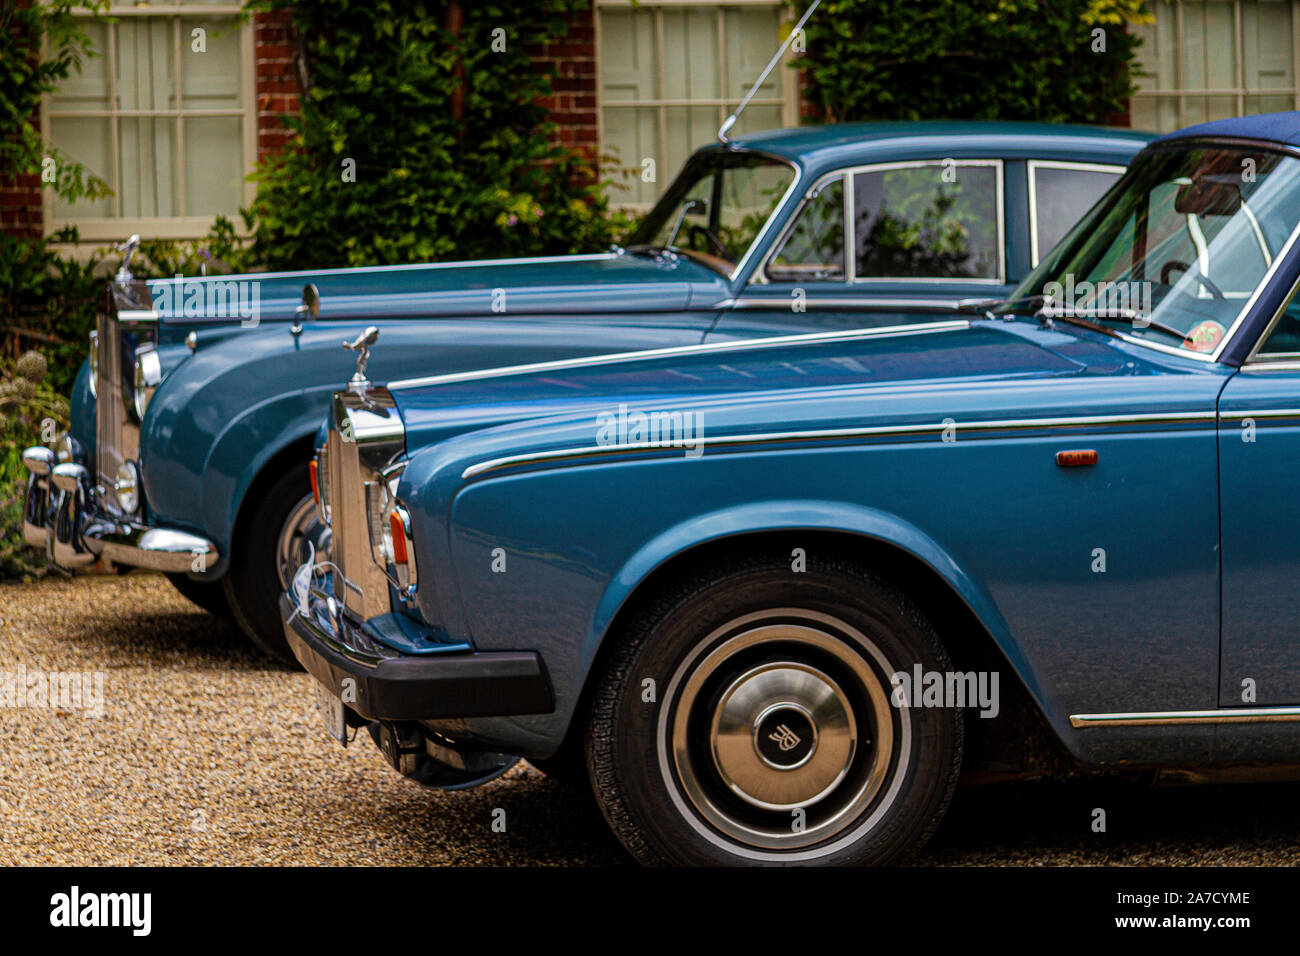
[(748, 720), (273, 544), (209, 595)]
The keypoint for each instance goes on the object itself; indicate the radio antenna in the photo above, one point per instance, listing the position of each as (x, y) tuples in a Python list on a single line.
[(731, 120)]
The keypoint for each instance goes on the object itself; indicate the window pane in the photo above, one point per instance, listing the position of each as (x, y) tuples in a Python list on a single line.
[(214, 166), (814, 249), (148, 188), (211, 80), (912, 222), (146, 78), (1061, 197), (89, 142), (87, 90)]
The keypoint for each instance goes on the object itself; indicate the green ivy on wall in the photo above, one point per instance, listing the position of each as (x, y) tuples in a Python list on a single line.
[(1059, 61), (421, 138)]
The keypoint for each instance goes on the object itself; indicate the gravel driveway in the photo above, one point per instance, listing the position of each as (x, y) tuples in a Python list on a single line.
[(208, 754)]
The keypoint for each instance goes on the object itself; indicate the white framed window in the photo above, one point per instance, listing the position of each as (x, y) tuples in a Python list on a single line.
[(1212, 59), (669, 73), (1060, 193), (166, 115)]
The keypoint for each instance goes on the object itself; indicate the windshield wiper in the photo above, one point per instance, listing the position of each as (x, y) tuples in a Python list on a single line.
[(1134, 318), (987, 306)]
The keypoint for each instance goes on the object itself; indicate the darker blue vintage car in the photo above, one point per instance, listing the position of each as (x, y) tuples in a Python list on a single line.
[(769, 598), (192, 422)]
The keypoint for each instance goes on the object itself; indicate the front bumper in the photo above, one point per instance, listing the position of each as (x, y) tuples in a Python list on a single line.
[(62, 517), (390, 685)]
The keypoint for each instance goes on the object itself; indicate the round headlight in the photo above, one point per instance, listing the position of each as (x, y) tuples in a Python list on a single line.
[(148, 373), (128, 487)]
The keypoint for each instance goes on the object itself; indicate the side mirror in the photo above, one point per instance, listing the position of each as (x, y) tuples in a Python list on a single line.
[(310, 307)]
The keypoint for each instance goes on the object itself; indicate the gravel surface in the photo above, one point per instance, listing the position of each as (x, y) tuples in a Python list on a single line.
[(208, 754)]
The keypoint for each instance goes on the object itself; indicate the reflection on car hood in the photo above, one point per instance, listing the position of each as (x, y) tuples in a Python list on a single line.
[(946, 359), (560, 284)]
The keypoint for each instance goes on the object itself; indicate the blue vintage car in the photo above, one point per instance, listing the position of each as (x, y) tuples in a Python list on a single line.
[(192, 422), (770, 597)]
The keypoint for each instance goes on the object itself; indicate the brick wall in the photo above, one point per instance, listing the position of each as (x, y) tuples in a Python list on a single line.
[(573, 105), (21, 213), (277, 78)]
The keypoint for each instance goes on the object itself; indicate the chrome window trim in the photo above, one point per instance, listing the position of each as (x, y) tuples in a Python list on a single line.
[(614, 358), (1000, 201), (1278, 259), (831, 434), (1032, 166), (1158, 718), (850, 227), (756, 247), (760, 276)]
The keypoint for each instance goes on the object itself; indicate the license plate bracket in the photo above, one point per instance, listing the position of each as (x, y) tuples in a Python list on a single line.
[(330, 707)]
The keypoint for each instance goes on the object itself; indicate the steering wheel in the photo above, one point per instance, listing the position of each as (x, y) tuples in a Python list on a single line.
[(719, 247), (1204, 280)]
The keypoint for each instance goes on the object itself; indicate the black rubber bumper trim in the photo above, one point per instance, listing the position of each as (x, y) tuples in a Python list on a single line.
[(406, 687)]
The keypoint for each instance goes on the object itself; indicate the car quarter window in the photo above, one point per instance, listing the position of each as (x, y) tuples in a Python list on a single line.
[(1282, 341), (929, 220), (1059, 195), (813, 249)]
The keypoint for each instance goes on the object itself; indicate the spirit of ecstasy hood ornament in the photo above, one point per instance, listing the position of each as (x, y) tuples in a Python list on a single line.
[(361, 345)]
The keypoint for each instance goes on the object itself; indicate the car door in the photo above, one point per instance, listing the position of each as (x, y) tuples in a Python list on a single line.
[(1259, 459)]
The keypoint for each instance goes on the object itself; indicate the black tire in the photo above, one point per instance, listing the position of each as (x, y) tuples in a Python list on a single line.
[(567, 767), (253, 584), (754, 634), (209, 595)]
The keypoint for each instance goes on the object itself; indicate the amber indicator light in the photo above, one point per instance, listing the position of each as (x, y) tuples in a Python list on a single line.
[(399, 538), (315, 488), (1076, 458)]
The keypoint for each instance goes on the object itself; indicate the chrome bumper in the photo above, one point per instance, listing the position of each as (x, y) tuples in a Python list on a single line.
[(61, 516)]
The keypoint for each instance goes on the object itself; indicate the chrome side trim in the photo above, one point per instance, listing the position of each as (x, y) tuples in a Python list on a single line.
[(613, 358), (831, 434), (1262, 413), (874, 303), (1161, 718), (1032, 167)]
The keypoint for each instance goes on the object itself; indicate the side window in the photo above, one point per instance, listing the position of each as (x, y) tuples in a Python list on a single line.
[(935, 220), (1061, 196), (814, 249)]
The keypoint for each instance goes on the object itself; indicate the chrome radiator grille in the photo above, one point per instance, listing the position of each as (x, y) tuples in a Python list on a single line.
[(125, 321), (365, 436)]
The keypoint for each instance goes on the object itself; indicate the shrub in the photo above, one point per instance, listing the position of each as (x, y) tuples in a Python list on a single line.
[(971, 59), (29, 406), (433, 109)]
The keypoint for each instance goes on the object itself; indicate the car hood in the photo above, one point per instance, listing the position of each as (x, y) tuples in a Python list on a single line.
[(611, 282), (928, 372)]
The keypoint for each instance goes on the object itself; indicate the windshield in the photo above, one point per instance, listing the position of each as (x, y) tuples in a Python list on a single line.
[(1177, 248), (714, 210)]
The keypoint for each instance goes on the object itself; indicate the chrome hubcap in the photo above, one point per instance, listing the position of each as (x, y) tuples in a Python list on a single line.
[(301, 528), (783, 734), (776, 733)]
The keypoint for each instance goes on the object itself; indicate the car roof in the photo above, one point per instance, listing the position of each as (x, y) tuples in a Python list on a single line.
[(818, 148), (1276, 127)]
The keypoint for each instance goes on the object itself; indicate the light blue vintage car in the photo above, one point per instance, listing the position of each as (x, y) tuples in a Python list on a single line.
[(192, 422), (770, 597)]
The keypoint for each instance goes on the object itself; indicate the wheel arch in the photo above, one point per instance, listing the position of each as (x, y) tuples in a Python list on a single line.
[(973, 630)]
